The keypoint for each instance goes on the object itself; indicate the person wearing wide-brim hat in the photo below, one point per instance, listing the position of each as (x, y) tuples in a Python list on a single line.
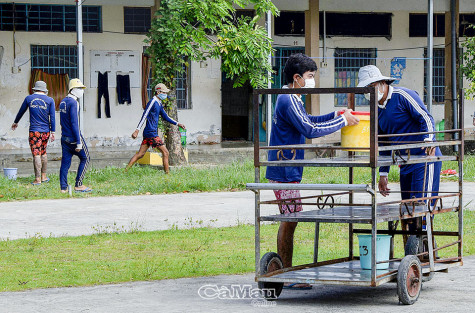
[(42, 127), (401, 110), (72, 141), (150, 117)]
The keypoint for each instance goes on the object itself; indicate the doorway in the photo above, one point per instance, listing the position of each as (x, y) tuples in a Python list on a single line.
[(236, 111)]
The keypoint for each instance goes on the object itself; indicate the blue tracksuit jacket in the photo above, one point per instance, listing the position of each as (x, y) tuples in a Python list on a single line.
[(405, 113), (41, 108), (150, 117), (69, 114), (291, 125)]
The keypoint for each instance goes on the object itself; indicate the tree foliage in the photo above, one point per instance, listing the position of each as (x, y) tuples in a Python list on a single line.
[(468, 66), (195, 30)]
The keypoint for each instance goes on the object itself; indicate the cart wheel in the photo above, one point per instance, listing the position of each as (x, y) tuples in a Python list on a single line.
[(413, 247), (270, 262), (409, 279)]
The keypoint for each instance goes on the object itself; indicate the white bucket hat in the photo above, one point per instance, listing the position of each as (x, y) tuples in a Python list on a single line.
[(40, 86), (370, 74)]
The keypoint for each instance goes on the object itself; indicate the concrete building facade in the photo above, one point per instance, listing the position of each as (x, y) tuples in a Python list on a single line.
[(210, 115)]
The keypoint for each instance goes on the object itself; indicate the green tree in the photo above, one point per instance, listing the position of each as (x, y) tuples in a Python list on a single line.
[(468, 66), (195, 30)]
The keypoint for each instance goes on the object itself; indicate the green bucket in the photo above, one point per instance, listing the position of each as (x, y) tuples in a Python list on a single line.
[(183, 136)]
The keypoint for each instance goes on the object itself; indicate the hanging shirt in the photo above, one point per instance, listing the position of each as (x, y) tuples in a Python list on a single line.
[(41, 108), (291, 125), (69, 114), (404, 112), (150, 117)]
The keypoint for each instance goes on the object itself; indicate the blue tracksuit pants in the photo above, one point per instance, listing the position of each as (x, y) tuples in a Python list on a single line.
[(412, 183), (68, 150)]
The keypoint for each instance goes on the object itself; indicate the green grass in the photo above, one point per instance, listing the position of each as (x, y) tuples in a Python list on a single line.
[(112, 181), (131, 255)]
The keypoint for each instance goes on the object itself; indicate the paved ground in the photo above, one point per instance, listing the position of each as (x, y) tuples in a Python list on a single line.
[(451, 292), (78, 216)]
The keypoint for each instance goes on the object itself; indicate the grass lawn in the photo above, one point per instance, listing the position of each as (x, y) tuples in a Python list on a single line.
[(146, 180), (136, 256)]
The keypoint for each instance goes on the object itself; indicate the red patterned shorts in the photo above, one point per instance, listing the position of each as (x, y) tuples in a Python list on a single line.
[(38, 142), (155, 142), (288, 195)]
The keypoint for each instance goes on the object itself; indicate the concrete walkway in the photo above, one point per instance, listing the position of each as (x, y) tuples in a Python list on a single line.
[(83, 216), (446, 292)]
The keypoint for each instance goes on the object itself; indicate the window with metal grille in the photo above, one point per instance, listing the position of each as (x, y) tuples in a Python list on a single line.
[(438, 76), (183, 96), (55, 59), (347, 64), (137, 20), (48, 17)]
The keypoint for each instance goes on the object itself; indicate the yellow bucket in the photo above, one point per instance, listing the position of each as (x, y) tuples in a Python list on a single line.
[(356, 136)]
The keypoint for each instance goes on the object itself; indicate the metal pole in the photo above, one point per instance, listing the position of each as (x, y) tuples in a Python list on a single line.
[(454, 68), (269, 84), (430, 52), (80, 58)]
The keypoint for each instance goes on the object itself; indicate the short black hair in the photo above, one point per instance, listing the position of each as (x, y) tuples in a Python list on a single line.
[(298, 63)]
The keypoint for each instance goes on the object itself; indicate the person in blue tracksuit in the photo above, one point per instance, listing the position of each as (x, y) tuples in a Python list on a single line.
[(72, 141), (150, 117), (291, 124), (42, 127), (401, 110)]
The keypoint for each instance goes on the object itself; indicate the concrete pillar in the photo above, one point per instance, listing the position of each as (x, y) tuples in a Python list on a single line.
[(449, 114), (312, 46)]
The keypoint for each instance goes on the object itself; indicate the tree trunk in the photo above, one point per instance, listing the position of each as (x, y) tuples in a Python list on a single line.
[(173, 139)]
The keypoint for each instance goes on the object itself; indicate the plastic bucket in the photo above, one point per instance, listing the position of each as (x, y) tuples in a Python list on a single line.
[(383, 243), (357, 136), (10, 173)]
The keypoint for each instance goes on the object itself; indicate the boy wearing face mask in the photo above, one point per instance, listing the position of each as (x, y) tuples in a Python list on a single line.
[(150, 117), (72, 141), (401, 110), (291, 124)]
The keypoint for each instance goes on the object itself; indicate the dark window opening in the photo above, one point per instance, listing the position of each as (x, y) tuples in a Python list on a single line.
[(290, 24), (137, 20), (418, 25), (357, 24)]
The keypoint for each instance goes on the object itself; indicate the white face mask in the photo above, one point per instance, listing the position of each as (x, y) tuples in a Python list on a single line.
[(380, 95), (77, 92), (309, 83)]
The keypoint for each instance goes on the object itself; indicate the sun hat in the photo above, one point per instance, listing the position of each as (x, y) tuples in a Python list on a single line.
[(40, 86), (370, 74), (162, 88), (75, 83)]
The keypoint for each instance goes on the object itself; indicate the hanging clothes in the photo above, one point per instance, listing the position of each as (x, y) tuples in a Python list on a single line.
[(123, 89), (103, 90), (57, 84)]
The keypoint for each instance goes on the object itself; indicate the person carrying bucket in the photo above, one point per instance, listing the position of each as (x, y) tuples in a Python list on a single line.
[(42, 127), (401, 110), (291, 124)]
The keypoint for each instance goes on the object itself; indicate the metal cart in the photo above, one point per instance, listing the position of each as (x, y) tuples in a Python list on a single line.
[(421, 260)]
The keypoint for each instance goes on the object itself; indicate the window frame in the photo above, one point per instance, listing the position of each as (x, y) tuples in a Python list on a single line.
[(55, 52), (132, 14)]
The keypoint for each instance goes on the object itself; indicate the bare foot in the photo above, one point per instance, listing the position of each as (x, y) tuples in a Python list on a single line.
[(64, 191), (82, 189)]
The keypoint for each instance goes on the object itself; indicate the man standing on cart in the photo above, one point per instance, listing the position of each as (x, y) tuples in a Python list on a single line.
[(291, 124), (401, 110)]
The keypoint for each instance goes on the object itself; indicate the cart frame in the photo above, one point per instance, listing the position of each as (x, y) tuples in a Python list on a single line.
[(346, 271)]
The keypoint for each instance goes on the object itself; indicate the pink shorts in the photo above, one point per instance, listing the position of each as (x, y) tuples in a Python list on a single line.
[(288, 195)]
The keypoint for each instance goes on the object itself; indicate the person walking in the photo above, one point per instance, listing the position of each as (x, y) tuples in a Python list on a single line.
[(42, 127), (401, 110), (150, 118), (72, 141), (291, 124)]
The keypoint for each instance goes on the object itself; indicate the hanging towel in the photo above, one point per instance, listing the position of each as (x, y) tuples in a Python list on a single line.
[(57, 84)]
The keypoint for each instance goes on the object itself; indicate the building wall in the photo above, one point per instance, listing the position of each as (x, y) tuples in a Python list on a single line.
[(413, 76), (203, 121)]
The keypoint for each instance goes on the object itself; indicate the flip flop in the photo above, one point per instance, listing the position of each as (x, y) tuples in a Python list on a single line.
[(84, 190), (46, 180), (35, 184), (294, 287)]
